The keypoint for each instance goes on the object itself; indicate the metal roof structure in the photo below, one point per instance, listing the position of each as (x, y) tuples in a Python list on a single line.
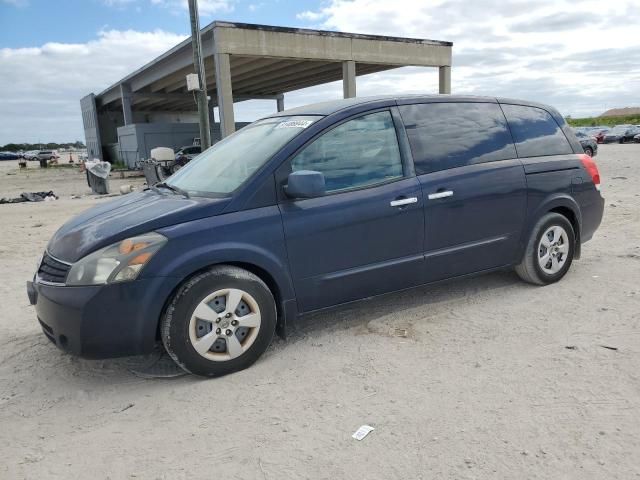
[(267, 61)]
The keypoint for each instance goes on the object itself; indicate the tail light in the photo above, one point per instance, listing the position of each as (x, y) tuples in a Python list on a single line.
[(591, 168)]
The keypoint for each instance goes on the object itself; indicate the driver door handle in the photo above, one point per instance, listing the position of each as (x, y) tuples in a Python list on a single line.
[(445, 194)]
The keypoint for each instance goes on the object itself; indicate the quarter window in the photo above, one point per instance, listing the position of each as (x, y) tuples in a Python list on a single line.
[(449, 135), (535, 132), (360, 152)]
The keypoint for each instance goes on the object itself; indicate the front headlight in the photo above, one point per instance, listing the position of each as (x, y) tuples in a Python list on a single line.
[(120, 262)]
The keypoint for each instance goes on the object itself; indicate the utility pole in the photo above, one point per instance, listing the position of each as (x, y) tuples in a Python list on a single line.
[(198, 63)]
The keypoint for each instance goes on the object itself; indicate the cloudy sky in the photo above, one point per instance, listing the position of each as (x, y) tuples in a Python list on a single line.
[(581, 56)]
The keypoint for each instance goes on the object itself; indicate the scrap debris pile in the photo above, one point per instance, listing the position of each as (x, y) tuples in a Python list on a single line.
[(31, 197)]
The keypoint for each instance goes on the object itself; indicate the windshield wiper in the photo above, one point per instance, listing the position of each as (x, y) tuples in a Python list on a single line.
[(173, 188)]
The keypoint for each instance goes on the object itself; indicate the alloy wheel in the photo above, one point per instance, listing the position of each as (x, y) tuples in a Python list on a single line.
[(553, 250), (225, 324)]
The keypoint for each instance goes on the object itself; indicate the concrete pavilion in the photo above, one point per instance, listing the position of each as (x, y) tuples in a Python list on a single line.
[(151, 106)]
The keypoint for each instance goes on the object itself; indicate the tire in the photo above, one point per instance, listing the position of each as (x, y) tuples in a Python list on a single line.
[(530, 269), (197, 316), (588, 151)]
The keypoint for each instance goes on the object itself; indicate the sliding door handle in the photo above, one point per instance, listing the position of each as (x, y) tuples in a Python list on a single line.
[(399, 202), (435, 196)]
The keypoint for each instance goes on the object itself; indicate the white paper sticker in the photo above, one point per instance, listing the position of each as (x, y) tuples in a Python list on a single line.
[(362, 432), (295, 124)]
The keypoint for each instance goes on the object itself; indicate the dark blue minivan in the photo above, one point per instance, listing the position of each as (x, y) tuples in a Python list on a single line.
[(312, 208)]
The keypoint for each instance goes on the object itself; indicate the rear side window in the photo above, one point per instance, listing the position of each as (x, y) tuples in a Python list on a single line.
[(360, 152), (449, 135), (535, 132)]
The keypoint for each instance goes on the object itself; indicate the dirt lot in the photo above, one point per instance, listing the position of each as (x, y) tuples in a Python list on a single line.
[(494, 379)]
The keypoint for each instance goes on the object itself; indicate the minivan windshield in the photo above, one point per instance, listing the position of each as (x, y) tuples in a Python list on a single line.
[(225, 166)]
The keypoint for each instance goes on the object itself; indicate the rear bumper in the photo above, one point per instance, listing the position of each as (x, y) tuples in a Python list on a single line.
[(101, 321), (591, 216)]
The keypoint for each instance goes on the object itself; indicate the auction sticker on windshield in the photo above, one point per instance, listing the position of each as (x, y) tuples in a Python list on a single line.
[(295, 124)]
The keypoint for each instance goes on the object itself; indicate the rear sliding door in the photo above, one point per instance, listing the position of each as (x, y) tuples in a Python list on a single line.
[(473, 185)]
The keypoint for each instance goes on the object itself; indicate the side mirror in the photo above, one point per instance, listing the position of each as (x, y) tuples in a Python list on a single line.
[(305, 184)]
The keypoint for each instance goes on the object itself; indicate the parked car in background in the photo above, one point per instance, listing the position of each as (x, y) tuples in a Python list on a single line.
[(184, 155), (598, 133), (9, 156), (312, 208), (41, 155), (621, 134), (637, 138), (188, 153), (588, 143)]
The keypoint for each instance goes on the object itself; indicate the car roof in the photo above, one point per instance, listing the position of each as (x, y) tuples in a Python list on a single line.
[(330, 107)]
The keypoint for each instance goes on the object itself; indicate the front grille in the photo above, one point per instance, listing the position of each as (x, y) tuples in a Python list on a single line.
[(52, 270)]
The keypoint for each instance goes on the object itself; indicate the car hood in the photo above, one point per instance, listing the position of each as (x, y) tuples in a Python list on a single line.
[(126, 216)]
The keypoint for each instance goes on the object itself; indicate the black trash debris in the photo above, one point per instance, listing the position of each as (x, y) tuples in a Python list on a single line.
[(31, 197)]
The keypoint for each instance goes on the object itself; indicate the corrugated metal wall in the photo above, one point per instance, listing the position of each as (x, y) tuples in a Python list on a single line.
[(91, 128)]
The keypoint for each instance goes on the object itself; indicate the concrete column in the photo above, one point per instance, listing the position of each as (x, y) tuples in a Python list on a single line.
[(445, 79), (225, 94), (212, 119), (280, 102), (349, 78), (125, 95)]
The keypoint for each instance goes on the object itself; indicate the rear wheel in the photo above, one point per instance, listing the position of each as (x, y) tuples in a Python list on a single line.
[(549, 252), (219, 322)]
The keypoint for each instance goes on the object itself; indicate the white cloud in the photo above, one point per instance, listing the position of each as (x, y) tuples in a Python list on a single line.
[(205, 7), (117, 3), (310, 16), (17, 3), (41, 87), (579, 55)]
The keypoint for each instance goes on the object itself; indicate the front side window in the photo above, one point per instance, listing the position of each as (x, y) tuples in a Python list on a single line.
[(455, 134), (535, 132), (360, 152), (225, 166)]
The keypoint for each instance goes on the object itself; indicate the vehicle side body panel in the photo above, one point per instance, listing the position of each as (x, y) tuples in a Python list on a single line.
[(479, 227), (253, 237), (326, 236)]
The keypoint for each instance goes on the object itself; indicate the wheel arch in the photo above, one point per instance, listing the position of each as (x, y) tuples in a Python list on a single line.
[(265, 268), (572, 216), (560, 204)]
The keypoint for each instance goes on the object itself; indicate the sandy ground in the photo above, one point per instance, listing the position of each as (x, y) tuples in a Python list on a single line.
[(482, 386)]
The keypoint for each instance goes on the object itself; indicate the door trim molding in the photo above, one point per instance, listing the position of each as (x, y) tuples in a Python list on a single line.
[(464, 246), (370, 267)]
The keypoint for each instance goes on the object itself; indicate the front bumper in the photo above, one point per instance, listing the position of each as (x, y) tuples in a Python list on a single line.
[(102, 321)]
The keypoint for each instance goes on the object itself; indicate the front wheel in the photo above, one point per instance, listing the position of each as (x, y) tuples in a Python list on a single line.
[(589, 151), (549, 252), (219, 322)]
